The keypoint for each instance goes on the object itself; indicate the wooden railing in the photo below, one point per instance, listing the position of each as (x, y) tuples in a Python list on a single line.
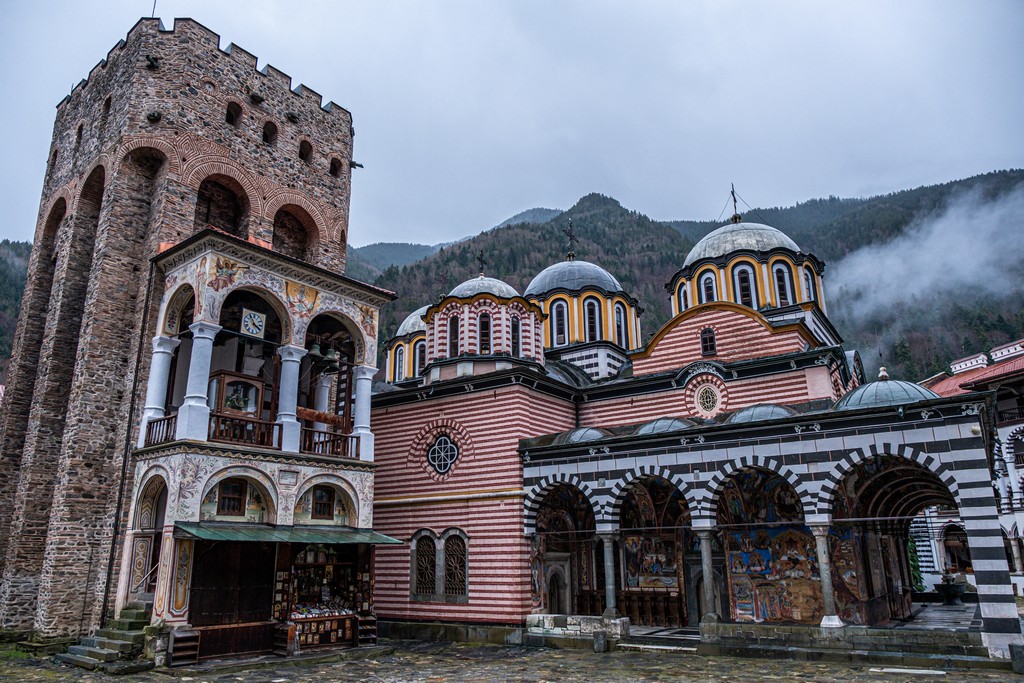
[(324, 442), (1011, 414), (161, 429), (244, 430)]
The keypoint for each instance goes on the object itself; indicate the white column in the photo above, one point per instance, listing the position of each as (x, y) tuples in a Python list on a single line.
[(194, 414), (610, 608), (288, 395), (363, 377), (156, 388), (707, 598), (831, 619), (322, 398)]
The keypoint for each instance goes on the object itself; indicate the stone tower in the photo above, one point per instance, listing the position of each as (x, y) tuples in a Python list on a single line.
[(170, 134)]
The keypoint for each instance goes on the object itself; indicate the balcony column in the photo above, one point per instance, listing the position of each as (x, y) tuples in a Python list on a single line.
[(156, 388), (831, 619), (291, 357), (363, 377), (709, 609), (322, 398), (194, 414), (611, 610)]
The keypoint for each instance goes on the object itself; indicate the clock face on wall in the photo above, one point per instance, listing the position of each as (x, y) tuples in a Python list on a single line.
[(253, 324)]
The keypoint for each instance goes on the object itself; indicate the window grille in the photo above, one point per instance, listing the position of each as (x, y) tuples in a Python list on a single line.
[(426, 565), (455, 566)]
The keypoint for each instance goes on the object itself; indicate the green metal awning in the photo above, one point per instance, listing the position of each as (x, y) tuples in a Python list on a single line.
[(269, 533)]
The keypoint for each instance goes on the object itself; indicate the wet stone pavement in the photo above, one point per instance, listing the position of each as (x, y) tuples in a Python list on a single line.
[(416, 662)]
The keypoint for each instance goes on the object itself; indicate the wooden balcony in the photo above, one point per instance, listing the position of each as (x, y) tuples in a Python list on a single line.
[(1011, 415), (161, 429), (329, 443), (244, 430)]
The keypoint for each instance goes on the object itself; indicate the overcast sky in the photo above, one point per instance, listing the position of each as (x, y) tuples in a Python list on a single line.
[(468, 112)]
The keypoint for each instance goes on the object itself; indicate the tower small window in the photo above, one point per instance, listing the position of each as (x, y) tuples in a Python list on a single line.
[(708, 346), (592, 310), (323, 502), (269, 133), (106, 110), (305, 151), (484, 330), (453, 336), (809, 284), (559, 331), (744, 283), (335, 168), (233, 114), (399, 364), (231, 497), (683, 302), (783, 287), (419, 357), (78, 136), (621, 337), (516, 337), (707, 288)]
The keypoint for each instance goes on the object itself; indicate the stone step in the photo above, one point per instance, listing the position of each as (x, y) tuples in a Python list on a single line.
[(130, 667), (135, 614), (129, 624), (136, 637), (122, 646), (77, 660), (648, 647), (97, 653), (140, 604)]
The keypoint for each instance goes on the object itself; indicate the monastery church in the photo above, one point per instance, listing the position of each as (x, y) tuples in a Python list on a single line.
[(198, 461)]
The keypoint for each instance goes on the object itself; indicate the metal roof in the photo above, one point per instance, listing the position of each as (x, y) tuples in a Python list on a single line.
[(739, 237), (573, 276)]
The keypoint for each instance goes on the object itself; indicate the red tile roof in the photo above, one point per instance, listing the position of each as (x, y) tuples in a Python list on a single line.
[(977, 378)]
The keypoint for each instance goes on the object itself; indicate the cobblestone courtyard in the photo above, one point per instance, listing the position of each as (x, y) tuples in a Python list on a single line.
[(456, 663)]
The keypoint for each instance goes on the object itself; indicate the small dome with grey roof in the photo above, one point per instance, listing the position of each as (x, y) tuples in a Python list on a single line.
[(581, 435), (664, 424), (484, 285), (760, 413), (739, 237), (413, 323), (572, 275), (884, 392)]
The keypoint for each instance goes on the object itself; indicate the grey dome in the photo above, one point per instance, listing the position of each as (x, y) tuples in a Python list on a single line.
[(573, 276), (663, 424), (759, 413), (737, 237), (581, 435), (484, 284), (884, 392), (413, 323)]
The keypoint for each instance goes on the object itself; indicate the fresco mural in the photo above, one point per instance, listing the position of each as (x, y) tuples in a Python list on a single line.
[(565, 524), (653, 521)]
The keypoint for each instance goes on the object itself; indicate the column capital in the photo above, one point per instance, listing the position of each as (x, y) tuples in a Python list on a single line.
[(704, 523), (820, 530), (703, 533), (204, 330), (291, 353), (364, 371), (608, 536), (162, 344)]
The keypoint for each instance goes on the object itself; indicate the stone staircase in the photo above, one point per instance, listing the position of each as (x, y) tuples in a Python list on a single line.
[(116, 649)]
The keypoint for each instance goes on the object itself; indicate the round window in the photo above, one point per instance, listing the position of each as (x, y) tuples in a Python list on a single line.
[(442, 454), (707, 399)]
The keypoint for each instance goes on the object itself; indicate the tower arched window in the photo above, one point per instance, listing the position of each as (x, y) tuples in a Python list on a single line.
[(399, 363), (270, 133), (305, 151), (621, 336), (419, 357), (484, 332), (592, 313), (707, 288), (517, 341), (683, 299), (233, 114), (744, 284), (708, 345), (559, 324), (783, 284), (335, 168), (453, 336), (809, 284)]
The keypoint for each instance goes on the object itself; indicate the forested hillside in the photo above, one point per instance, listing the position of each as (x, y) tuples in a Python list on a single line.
[(13, 266)]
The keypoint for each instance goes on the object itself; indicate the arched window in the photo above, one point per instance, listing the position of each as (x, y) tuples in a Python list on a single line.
[(809, 284), (683, 299), (419, 353), (707, 288), (270, 133), (455, 566), (743, 283), (783, 284), (453, 336), (516, 337), (484, 332), (231, 495), (305, 151), (559, 327), (78, 136), (621, 336), (399, 364), (335, 169), (233, 114), (708, 346), (426, 566), (592, 313), (323, 502)]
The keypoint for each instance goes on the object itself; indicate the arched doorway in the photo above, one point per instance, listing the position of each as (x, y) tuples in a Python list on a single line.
[(656, 550), (223, 204), (872, 510), (565, 552), (147, 539), (772, 566)]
